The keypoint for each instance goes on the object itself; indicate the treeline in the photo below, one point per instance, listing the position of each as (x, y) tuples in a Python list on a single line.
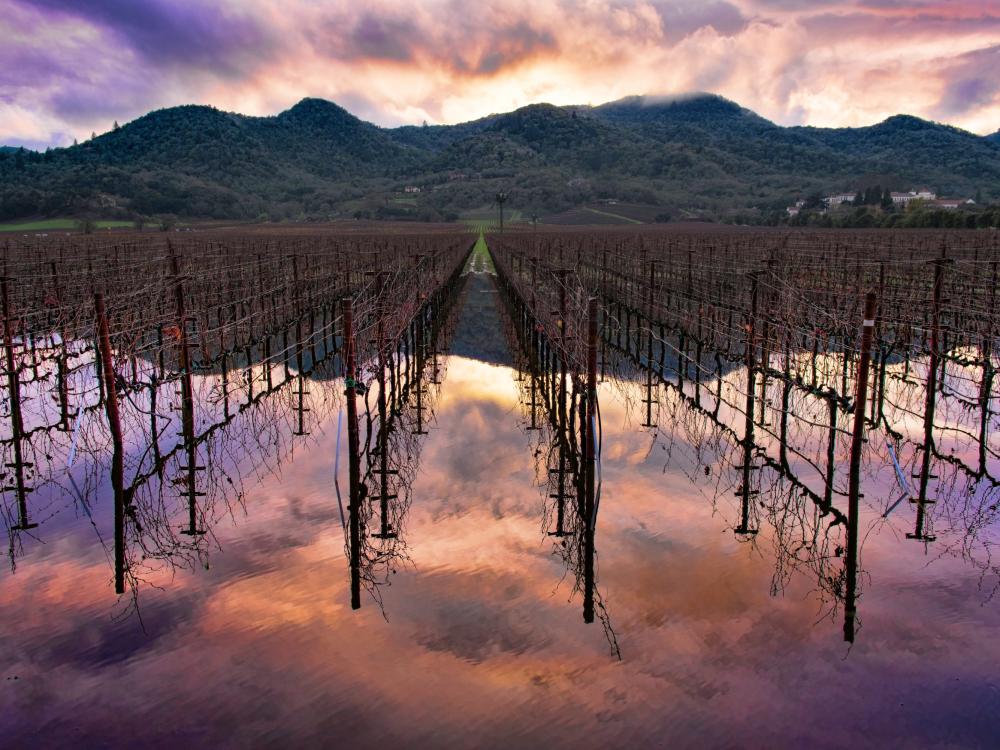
[(702, 158), (918, 218)]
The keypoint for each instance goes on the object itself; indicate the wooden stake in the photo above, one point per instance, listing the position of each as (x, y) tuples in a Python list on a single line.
[(114, 423), (854, 482)]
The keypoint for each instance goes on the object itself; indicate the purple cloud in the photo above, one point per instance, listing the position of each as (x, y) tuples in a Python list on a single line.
[(372, 36), (898, 26), (970, 83), (680, 19), (76, 65), (172, 32), (473, 42)]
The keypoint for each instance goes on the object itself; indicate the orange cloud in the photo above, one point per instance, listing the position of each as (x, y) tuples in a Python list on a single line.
[(70, 68)]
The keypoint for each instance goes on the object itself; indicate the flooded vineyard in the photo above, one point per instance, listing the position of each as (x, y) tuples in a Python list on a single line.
[(709, 488)]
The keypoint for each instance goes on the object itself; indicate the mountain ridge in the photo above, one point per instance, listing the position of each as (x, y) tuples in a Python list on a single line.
[(700, 154)]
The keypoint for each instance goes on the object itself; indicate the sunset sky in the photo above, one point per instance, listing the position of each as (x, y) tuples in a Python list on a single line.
[(69, 67)]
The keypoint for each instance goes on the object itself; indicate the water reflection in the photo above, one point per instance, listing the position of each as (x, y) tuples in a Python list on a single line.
[(406, 381), (772, 440), (247, 633), (754, 432), (553, 405), (183, 449)]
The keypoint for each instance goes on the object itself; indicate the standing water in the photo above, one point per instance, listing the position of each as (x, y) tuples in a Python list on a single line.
[(718, 602)]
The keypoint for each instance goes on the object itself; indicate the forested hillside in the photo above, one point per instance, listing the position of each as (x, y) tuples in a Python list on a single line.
[(699, 157)]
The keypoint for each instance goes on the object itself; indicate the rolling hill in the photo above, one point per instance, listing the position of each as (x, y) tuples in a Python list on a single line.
[(700, 155)]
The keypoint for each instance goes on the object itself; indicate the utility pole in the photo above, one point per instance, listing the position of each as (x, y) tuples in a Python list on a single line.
[(501, 199)]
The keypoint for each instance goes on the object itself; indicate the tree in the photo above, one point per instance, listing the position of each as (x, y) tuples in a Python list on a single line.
[(85, 225), (115, 127), (814, 200)]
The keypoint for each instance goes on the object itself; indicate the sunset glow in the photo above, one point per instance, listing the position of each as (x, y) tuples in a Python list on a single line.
[(69, 68)]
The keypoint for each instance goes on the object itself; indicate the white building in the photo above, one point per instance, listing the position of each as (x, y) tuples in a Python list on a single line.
[(903, 199), (953, 203), (838, 199), (794, 210)]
